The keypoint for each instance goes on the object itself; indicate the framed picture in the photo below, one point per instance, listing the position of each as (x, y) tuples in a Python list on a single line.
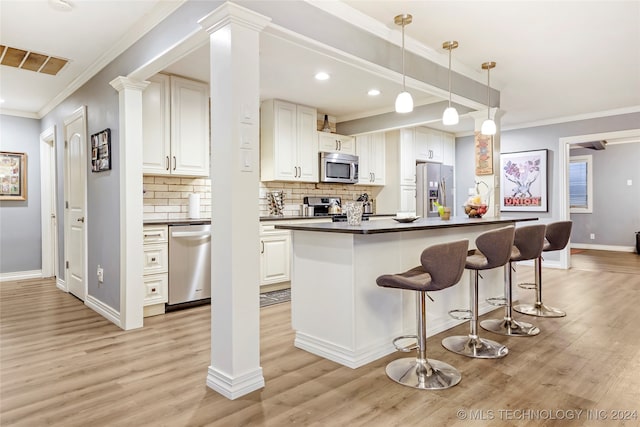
[(523, 181), (483, 154), (13, 176), (101, 151)]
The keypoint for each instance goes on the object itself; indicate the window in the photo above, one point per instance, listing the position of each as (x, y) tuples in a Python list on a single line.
[(580, 184)]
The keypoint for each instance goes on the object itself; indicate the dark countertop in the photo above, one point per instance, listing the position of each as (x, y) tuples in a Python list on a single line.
[(296, 217), (185, 221), (262, 218), (391, 226)]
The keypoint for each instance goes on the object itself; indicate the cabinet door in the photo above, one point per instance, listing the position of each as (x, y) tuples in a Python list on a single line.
[(363, 148), (407, 158), (327, 142), (189, 127), (408, 198), (284, 140), (307, 144), (274, 258), (377, 159), (448, 149), (422, 144), (156, 134), (346, 144), (156, 289), (435, 146)]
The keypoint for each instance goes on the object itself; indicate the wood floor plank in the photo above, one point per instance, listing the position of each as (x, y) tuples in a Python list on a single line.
[(61, 364)]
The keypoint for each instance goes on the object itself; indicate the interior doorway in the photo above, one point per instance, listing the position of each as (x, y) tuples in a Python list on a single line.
[(48, 202)]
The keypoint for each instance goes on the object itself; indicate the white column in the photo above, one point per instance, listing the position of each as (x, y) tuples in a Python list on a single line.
[(130, 166), (492, 181), (235, 264)]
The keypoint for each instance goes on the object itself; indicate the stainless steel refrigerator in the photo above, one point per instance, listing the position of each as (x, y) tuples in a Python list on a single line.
[(434, 184)]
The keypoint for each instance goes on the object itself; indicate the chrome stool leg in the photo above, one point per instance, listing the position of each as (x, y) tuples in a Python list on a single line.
[(508, 325), (472, 345), (538, 309), (420, 372)]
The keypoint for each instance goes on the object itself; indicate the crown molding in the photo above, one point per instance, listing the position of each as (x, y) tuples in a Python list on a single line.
[(18, 113)]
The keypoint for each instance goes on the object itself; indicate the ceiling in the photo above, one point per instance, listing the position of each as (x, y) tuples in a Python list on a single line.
[(555, 60)]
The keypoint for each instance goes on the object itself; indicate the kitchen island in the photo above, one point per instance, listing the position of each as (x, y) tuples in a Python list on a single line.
[(338, 311)]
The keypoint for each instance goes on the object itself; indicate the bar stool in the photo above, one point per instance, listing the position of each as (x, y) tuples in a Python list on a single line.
[(442, 267), (494, 250), (527, 244), (556, 238)]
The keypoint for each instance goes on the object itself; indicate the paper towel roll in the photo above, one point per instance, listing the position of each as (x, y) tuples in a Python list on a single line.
[(194, 205)]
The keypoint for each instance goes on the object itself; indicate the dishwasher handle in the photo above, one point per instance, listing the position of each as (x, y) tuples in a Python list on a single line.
[(196, 234)]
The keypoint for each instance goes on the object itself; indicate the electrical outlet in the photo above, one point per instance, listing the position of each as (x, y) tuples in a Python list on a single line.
[(592, 236), (100, 273)]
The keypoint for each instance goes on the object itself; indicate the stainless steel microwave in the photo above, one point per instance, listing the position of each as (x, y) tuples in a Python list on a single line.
[(338, 167)]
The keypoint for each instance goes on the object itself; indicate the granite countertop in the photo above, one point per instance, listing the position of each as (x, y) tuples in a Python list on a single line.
[(194, 221), (298, 217), (391, 226), (184, 221)]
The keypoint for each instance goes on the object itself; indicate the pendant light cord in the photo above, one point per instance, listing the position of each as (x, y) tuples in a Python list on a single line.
[(449, 76), (404, 89), (488, 93)]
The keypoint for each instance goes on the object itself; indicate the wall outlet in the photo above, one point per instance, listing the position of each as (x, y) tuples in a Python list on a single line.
[(100, 274), (592, 236)]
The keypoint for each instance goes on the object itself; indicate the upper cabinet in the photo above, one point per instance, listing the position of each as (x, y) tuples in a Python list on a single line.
[(332, 142), (288, 142), (370, 150), (175, 127), (407, 157), (428, 145), (448, 149)]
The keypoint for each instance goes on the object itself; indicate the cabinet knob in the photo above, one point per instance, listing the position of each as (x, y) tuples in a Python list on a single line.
[(153, 259), (153, 290)]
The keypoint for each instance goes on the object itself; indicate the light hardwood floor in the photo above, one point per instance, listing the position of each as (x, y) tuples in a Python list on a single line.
[(64, 365)]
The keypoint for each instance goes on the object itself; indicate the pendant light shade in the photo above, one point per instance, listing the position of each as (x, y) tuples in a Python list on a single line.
[(488, 126), (450, 115), (404, 101)]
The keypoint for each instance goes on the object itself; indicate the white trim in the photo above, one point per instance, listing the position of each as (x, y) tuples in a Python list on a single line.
[(588, 159), (48, 202), (103, 309), (150, 20), (20, 275), (18, 113), (61, 284), (604, 247), (575, 118), (234, 387)]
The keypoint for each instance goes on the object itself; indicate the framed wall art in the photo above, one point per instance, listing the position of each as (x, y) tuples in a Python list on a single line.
[(13, 176), (523, 181), (483, 154), (101, 151)]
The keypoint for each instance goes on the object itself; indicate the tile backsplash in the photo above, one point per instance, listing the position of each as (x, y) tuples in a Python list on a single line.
[(167, 197)]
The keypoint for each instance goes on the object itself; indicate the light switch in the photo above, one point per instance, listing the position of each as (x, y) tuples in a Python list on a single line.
[(246, 160)]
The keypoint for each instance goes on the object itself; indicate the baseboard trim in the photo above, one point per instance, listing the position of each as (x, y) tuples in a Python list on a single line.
[(61, 284), (603, 247), (234, 387), (103, 309), (20, 275)]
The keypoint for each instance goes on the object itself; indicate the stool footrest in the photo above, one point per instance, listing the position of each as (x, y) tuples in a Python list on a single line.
[(460, 314), (497, 301), (527, 285), (407, 348)]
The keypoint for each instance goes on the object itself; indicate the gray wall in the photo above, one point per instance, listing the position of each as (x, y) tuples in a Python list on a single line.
[(616, 206), (20, 226), (546, 137)]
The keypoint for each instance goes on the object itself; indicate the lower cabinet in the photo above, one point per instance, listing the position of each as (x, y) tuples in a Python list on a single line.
[(155, 245), (275, 255)]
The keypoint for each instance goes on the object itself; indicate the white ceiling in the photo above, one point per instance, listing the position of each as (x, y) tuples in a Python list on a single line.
[(555, 60)]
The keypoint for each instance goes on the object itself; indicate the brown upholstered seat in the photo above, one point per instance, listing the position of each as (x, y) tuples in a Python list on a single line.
[(441, 266), (527, 244), (557, 237), (493, 250)]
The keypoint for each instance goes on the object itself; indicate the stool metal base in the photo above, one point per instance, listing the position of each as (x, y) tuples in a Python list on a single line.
[(477, 347), (512, 328), (539, 310), (414, 372)]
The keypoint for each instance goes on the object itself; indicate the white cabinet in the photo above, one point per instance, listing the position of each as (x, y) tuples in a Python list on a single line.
[(428, 144), (275, 247), (448, 149), (407, 157), (155, 270), (175, 127), (332, 142), (370, 150), (407, 198), (288, 142)]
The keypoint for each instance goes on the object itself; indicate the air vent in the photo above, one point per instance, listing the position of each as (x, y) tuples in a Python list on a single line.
[(32, 61)]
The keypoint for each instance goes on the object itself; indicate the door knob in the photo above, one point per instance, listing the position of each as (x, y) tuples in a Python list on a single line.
[(81, 219)]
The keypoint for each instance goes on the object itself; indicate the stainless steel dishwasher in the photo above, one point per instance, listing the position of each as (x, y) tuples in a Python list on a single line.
[(189, 264)]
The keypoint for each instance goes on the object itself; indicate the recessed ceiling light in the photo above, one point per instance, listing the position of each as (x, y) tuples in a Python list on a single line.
[(322, 76), (373, 92)]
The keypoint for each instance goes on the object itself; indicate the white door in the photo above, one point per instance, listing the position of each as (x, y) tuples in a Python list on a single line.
[(75, 203), (307, 144), (48, 203)]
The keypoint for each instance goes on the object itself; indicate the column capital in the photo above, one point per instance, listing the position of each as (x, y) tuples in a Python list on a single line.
[(232, 13), (121, 83)]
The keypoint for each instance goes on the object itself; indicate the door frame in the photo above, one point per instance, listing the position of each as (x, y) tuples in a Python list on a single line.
[(80, 112), (48, 202), (563, 173)]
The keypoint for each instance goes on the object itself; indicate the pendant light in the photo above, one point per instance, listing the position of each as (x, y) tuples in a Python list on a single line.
[(450, 115), (404, 101), (488, 126)]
